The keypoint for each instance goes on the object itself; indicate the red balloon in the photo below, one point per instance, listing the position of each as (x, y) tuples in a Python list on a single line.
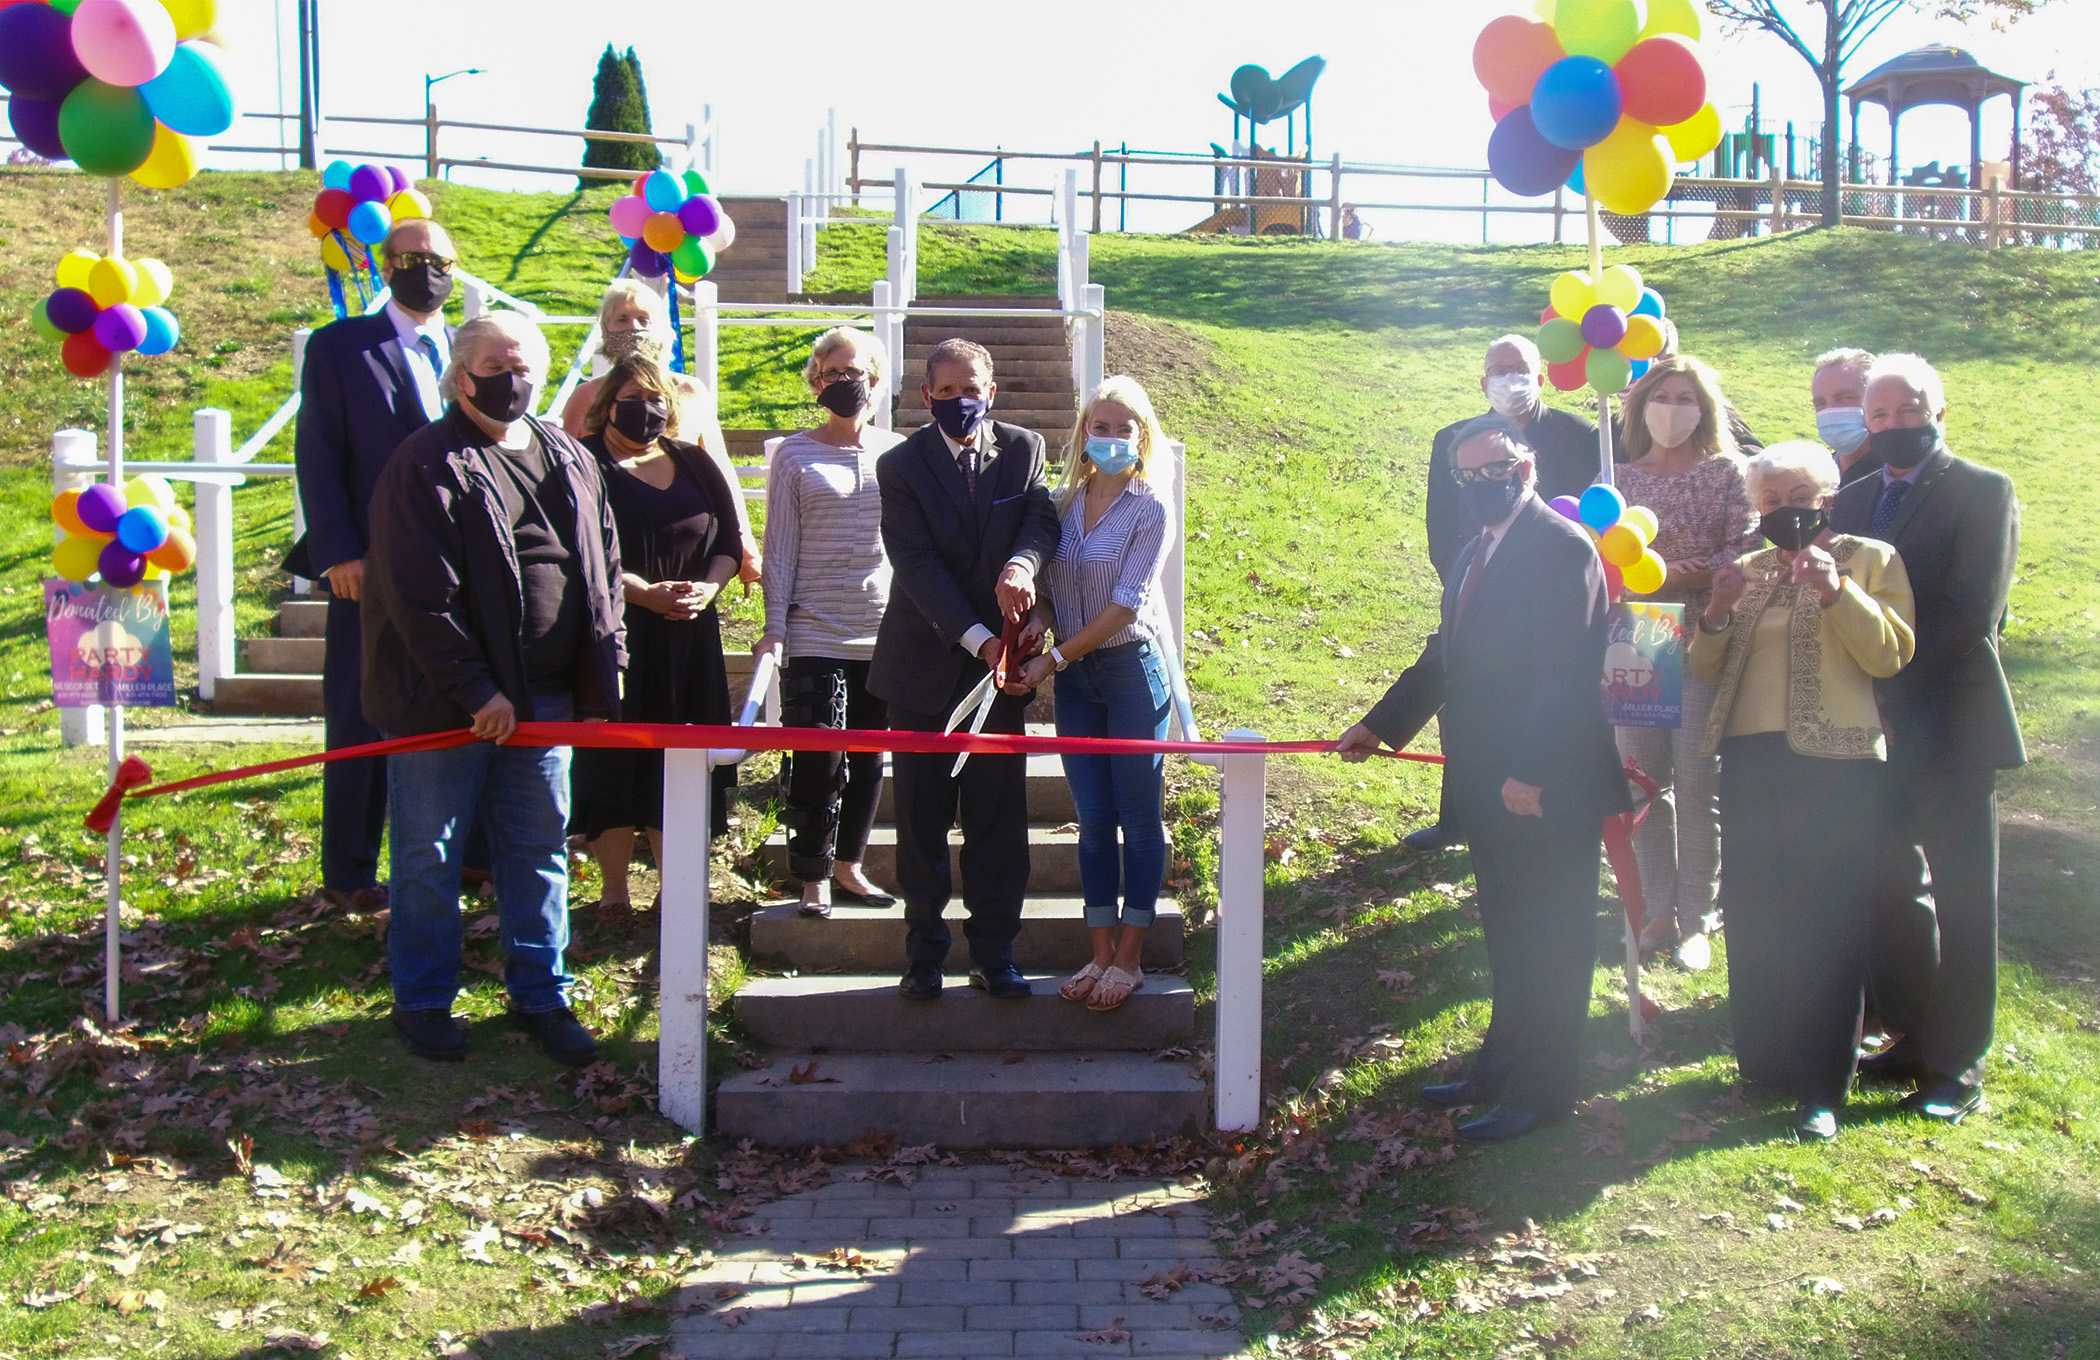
[(84, 355), (1614, 581), (1572, 374), (1511, 53), (333, 206), (1548, 314), (1662, 81), (1499, 110)]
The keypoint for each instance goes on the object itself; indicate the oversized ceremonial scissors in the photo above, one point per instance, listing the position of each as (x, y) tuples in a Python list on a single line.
[(977, 704)]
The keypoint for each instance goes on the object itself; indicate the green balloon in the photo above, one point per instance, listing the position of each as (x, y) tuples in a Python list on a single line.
[(695, 183), (65, 6), (1560, 340), (40, 318), (1608, 370), (693, 257), (105, 129)]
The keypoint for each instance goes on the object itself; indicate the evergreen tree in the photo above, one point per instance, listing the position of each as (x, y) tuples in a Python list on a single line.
[(618, 105)]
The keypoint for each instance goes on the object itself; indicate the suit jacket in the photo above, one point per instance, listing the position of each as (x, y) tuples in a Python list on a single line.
[(946, 555), (1568, 460), (357, 402), (1958, 530), (1519, 680)]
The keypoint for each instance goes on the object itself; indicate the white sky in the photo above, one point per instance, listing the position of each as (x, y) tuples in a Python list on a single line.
[(1399, 85)]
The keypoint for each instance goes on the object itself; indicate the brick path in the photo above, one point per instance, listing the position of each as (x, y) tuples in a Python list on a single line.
[(977, 1261)]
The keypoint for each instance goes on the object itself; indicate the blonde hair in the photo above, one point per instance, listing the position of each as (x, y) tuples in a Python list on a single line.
[(645, 373), (639, 295), (1123, 390), (872, 357), (1712, 435)]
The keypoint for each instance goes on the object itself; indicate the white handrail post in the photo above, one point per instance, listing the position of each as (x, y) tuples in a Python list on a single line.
[(681, 1046), (813, 208), (831, 156), (300, 585), (73, 468), (794, 244), (692, 148), (892, 344), (212, 436), (1068, 226), (473, 302), (1241, 844), (707, 344), (1096, 330), (907, 216)]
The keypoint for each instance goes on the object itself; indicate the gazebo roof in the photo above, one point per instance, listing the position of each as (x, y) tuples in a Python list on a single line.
[(1932, 75)]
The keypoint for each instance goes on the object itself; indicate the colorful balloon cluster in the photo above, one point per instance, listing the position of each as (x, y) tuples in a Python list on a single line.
[(1622, 534), (1604, 331), (118, 87), (1598, 96), (365, 201), (671, 222), (131, 535), (106, 305)]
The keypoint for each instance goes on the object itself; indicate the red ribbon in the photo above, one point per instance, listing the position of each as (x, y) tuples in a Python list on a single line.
[(130, 774), (1618, 848)]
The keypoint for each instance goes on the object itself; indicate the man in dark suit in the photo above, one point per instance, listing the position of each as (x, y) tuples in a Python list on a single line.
[(1568, 461), (1951, 729), (1515, 669), (967, 522), (368, 383)]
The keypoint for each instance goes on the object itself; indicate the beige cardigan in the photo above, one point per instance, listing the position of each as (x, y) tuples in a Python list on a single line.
[(1834, 655)]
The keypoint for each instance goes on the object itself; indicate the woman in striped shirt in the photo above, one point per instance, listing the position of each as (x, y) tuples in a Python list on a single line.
[(827, 583), (1104, 603)]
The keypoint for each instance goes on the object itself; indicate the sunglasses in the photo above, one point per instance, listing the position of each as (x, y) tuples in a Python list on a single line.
[(1486, 472), (416, 259)]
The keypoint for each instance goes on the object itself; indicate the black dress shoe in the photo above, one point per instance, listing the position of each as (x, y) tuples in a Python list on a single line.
[(1004, 981), (841, 893), (1815, 1123), (560, 1033), (1430, 838), (818, 909), (1944, 1099), (922, 982), (1893, 1066), (1498, 1126), (432, 1034), (1453, 1094)]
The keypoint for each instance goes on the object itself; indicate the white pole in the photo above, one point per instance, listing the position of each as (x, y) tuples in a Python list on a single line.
[(681, 1045), (1241, 846), (707, 344), (300, 584), (113, 855), (73, 467), (885, 330), (1096, 301), (907, 217), (831, 150), (212, 442), (692, 148), (472, 302), (794, 244)]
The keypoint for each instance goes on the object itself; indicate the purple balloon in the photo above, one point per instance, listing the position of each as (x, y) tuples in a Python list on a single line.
[(119, 328), (650, 264), (72, 310), (369, 184), (35, 121), (119, 565), (397, 180), (1525, 163), (36, 52), (1603, 326), (699, 215), (100, 507), (1567, 507)]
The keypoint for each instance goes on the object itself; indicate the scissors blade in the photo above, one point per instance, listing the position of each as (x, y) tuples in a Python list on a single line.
[(987, 690)]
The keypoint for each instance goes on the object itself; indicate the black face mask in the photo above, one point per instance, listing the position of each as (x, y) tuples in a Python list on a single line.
[(504, 397), (1491, 502), (641, 421), (1790, 527), (420, 288), (846, 398), (1903, 449), (959, 417)]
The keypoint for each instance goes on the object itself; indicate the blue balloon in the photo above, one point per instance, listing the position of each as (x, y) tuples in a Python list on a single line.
[(1601, 507), (1524, 162), (336, 175), (1576, 103), (163, 331), (370, 222), (142, 528), (191, 96), (1575, 181), (1641, 367), (1651, 304), (662, 191)]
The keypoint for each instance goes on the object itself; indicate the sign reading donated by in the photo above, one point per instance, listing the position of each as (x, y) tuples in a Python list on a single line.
[(109, 646), (1644, 665)]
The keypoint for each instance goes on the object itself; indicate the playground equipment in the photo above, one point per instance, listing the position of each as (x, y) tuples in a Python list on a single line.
[(1260, 99)]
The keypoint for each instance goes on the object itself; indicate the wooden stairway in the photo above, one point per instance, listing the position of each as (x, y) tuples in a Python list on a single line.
[(755, 268), (280, 677), (1031, 362)]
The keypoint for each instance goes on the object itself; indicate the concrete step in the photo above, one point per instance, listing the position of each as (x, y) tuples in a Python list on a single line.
[(302, 618), (261, 694), (284, 655), (976, 1100), (867, 1014), (1052, 358), (1014, 387), (1053, 856), (931, 330), (1015, 408), (1053, 937), (1018, 301)]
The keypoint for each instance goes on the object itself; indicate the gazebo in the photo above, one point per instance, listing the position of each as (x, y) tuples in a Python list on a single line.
[(1937, 75)]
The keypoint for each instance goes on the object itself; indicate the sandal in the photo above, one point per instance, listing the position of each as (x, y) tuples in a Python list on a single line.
[(1080, 985), (1110, 980)]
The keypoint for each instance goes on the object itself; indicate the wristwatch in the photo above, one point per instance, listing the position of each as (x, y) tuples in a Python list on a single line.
[(1057, 658)]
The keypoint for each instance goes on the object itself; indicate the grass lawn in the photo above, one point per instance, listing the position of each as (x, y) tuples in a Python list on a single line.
[(256, 1154)]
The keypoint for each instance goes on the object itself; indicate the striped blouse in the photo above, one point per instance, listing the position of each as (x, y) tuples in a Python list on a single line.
[(1117, 563), (827, 577)]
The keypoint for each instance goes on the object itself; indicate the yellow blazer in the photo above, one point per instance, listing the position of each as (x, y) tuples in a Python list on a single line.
[(1834, 655)]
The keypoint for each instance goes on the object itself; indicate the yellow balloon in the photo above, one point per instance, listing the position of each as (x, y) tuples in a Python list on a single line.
[(407, 204), (1545, 9), (193, 18), (1604, 29), (113, 280), (1639, 516), (1574, 293), (150, 488), (156, 281), (1672, 16), (1629, 171), (77, 556), (171, 163), (333, 255), (74, 268), (1696, 135), (1621, 546), (178, 518), (1644, 340), (1647, 574), (1620, 286)]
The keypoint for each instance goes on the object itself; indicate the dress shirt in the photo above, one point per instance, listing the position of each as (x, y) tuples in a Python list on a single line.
[(1117, 562), (981, 440), (420, 367)]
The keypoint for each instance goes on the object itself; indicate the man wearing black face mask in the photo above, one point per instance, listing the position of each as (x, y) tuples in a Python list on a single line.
[(368, 383), (1531, 770), (1951, 729)]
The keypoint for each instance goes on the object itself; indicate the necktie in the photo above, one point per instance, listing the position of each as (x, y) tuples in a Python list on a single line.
[(430, 352), (1885, 509), (969, 469), (1474, 572)]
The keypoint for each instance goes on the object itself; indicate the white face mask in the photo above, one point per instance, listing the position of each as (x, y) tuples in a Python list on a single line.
[(1670, 426), (1512, 393)]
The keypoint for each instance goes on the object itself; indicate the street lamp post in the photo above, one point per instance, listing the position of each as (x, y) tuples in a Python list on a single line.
[(430, 117)]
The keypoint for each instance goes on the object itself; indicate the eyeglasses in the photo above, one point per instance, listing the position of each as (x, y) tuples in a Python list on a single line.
[(832, 375), (416, 259), (1486, 472)]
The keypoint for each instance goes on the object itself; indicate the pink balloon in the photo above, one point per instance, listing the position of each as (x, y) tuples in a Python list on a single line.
[(123, 42), (629, 214)]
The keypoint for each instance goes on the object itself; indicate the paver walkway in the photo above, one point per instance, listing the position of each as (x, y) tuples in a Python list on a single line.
[(973, 1261)]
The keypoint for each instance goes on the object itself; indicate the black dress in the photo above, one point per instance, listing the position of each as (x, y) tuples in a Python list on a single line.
[(674, 669)]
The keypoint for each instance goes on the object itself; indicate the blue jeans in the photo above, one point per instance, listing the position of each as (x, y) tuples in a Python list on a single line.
[(1117, 692), (522, 795)]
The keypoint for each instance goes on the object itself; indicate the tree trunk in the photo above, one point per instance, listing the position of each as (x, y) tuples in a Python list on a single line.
[(1830, 73)]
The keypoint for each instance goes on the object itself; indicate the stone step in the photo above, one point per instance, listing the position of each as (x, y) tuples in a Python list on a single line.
[(302, 619), (262, 694), (1053, 367), (1017, 301), (1016, 408), (284, 655), (1053, 855), (923, 332), (1053, 937), (1015, 389), (977, 1100), (868, 1014)]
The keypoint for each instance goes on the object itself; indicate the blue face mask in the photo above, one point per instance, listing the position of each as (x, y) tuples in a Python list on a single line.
[(1112, 456), (958, 417), (1844, 428)]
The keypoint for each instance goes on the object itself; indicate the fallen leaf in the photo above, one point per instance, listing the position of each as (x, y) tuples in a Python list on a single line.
[(1640, 1316), (128, 1301), (1642, 1232), (806, 1075), (629, 1345), (285, 1339), (378, 1287), (475, 1245), (1824, 1285), (1114, 1334), (1777, 1222)]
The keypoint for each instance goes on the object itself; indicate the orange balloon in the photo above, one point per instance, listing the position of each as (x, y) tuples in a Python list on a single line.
[(663, 231), (176, 552), (65, 512), (315, 225)]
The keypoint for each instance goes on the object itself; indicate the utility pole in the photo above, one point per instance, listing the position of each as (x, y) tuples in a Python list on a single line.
[(309, 84)]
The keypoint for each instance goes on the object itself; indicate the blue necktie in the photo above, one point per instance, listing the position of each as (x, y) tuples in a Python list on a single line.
[(428, 348), (1885, 509)]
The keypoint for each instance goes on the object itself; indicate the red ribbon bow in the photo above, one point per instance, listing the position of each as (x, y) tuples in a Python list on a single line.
[(130, 775)]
